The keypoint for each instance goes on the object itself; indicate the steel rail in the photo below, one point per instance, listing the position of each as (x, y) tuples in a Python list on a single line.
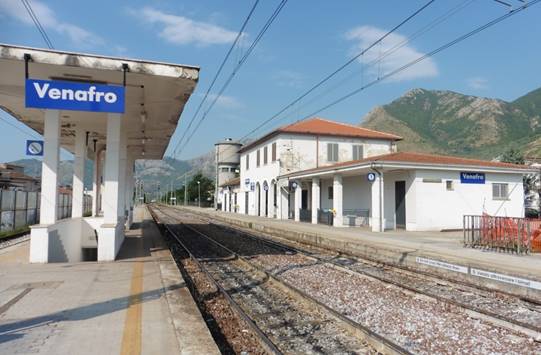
[(264, 341), (498, 319), (378, 341)]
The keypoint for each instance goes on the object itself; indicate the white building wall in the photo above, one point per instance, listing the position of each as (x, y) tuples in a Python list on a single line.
[(438, 209)]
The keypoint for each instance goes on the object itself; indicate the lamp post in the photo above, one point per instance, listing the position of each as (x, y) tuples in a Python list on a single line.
[(199, 194)]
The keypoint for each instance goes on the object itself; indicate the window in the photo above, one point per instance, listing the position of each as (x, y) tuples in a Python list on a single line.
[(224, 170), (247, 161), (330, 192), (258, 158), (449, 185), (265, 155), (274, 151), (332, 151), (500, 191), (357, 152)]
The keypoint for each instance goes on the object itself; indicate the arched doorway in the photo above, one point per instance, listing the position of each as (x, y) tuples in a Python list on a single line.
[(266, 200), (258, 198)]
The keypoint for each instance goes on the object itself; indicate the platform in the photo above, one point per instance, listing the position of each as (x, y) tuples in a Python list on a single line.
[(138, 304), (440, 253)]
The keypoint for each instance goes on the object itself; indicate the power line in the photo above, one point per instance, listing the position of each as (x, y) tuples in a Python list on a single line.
[(241, 31), (339, 69), (237, 67), (423, 57), (32, 135), (35, 19)]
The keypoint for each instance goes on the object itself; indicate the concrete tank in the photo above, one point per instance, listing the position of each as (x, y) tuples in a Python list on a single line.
[(227, 159)]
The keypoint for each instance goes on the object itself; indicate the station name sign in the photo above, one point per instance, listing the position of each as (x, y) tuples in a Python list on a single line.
[(468, 177), (66, 95)]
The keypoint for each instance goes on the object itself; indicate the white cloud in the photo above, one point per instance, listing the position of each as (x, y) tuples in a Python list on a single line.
[(49, 21), (366, 35), (288, 78), (182, 30), (224, 101), (478, 83)]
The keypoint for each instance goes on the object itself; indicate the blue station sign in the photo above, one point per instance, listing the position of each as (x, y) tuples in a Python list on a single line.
[(469, 177), (66, 95)]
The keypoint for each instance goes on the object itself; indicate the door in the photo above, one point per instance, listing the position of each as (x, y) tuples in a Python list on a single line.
[(246, 202), (267, 202), (400, 203), (304, 200)]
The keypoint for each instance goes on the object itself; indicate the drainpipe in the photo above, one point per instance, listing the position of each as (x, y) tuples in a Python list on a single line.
[(380, 180)]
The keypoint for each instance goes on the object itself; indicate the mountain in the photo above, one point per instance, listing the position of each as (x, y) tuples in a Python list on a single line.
[(447, 122), (153, 173)]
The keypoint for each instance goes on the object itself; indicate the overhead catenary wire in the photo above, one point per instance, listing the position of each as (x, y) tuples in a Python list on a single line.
[(340, 68), (236, 69), (37, 23), (425, 56), (218, 72), (32, 135)]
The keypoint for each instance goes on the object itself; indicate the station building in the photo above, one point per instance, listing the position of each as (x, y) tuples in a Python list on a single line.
[(110, 110), (321, 171)]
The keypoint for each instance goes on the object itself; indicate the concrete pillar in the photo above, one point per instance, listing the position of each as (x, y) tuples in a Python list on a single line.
[(79, 173), (298, 201), (49, 176), (122, 174), (128, 195), (95, 184), (39, 235), (377, 221), (315, 198), (337, 202), (111, 232)]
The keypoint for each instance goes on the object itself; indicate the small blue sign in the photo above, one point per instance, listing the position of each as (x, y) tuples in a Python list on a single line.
[(34, 148), (247, 182), (371, 177), (252, 186), (469, 177), (66, 95)]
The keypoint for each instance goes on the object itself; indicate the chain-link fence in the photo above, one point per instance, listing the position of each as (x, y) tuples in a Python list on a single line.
[(19, 209)]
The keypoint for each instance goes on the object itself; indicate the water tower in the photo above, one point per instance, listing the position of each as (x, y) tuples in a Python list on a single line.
[(227, 164)]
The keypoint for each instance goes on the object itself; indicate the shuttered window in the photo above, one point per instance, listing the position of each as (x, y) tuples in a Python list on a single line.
[(273, 151), (500, 191), (358, 152), (258, 162), (247, 161), (332, 152), (265, 155)]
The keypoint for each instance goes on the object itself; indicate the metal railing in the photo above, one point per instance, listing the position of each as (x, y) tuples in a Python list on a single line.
[(19, 209), (325, 217), (356, 217), (305, 215), (520, 235)]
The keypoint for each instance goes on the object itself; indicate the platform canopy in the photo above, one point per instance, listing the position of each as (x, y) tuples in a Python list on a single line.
[(156, 94)]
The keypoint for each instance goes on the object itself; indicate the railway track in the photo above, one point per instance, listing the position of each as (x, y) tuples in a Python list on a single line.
[(487, 314), (285, 319)]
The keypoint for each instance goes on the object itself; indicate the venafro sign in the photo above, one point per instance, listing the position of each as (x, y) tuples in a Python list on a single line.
[(469, 177), (65, 95)]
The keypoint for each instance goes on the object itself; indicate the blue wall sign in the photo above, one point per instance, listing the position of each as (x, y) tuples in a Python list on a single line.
[(34, 148), (371, 177), (247, 182), (252, 186), (468, 177), (66, 95)]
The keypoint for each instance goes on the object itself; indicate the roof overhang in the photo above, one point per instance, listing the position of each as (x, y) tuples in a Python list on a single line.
[(355, 169), (160, 90)]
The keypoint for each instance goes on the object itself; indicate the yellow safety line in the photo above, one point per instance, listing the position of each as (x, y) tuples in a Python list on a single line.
[(131, 339)]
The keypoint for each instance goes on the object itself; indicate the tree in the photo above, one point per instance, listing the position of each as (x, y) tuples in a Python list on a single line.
[(207, 189), (512, 155)]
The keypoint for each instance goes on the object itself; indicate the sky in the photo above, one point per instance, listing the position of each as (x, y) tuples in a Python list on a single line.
[(307, 41)]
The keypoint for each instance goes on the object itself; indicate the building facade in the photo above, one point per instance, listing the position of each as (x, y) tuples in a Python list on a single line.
[(320, 171)]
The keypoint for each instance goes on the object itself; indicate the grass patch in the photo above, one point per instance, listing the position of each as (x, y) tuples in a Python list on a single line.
[(8, 234)]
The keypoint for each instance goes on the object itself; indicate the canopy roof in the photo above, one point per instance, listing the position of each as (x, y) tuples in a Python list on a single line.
[(156, 94)]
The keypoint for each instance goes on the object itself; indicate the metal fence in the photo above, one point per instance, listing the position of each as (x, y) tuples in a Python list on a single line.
[(325, 217), (520, 235), (305, 215), (19, 209), (356, 217)]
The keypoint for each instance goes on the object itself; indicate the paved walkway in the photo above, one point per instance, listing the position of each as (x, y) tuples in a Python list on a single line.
[(447, 245), (138, 304)]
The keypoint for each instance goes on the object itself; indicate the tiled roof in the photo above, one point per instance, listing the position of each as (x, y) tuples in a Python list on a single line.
[(323, 127), (232, 182), (417, 158)]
